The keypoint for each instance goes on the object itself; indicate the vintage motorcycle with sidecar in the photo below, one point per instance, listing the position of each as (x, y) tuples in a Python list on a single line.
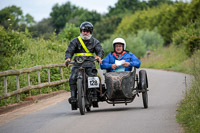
[(120, 87)]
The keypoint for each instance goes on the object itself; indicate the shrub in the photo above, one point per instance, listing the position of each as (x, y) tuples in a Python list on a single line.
[(133, 44), (152, 39), (11, 43), (69, 32), (188, 37), (167, 18), (138, 43)]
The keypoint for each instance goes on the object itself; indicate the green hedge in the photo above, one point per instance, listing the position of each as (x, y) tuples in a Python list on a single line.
[(167, 18)]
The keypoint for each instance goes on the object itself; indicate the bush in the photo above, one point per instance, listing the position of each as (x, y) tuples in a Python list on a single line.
[(167, 18), (152, 39), (138, 43), (133, 44), (38, 52), (188, 37), (11, 43), (69, 32)]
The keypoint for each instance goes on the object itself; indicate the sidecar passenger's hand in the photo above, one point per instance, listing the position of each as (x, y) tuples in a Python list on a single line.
[(114, 66), (126, 64)]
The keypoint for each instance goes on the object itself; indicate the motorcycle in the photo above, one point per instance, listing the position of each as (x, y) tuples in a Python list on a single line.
[(119, 87)]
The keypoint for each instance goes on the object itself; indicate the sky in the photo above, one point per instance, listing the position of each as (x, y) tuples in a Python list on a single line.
[(40, 9)]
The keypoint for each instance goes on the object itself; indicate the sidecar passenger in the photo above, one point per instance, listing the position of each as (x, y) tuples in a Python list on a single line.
[(120, 58)]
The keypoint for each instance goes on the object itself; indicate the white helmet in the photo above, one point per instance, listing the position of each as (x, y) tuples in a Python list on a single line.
[(119, 40)]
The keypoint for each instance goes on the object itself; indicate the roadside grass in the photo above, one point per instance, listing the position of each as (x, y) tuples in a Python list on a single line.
[(189, 111), (174, 58), (168, 58)]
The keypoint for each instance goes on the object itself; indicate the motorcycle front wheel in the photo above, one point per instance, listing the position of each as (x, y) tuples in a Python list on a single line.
[(81, 97)]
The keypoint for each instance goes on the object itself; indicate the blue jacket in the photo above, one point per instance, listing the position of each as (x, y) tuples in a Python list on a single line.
[(127, 56)]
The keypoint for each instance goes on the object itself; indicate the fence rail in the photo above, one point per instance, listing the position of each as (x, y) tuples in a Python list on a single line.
[(17, 72)]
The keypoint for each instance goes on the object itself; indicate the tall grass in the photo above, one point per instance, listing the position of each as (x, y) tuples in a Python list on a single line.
[(189, 110), (169, 58), (174, 58)]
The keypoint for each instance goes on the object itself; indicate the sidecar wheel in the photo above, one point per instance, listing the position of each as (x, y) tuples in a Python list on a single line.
[(81, 97), (143, 84), (145, 99)]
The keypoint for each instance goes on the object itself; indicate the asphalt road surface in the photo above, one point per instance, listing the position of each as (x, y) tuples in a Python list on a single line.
[(166, 89)]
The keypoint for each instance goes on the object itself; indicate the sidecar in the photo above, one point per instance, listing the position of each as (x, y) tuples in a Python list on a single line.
[(123, 87)]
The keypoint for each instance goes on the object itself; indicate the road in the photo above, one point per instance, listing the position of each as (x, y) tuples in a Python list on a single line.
[(166, 89)]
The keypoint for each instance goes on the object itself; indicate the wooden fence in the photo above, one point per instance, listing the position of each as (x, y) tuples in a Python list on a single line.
[(17, 72)]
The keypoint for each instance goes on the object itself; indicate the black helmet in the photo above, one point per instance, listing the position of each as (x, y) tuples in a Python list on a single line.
[(86, 26)]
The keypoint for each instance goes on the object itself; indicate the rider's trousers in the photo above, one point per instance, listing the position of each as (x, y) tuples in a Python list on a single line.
[(73, 79)]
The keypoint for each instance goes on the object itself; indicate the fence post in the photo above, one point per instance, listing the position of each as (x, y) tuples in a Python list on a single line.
[(48, 71), (61, 72), (5, 87), (18, 87), (39, 80), (62, 77), (28, 81)]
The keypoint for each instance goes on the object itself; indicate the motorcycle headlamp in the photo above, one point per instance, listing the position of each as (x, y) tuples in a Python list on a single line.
[(79, 59)]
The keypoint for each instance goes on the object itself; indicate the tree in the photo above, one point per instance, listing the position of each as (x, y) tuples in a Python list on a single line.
[(10, 17), (11, 44), (68, 13), (106, 27), (153, 3), (124, 6), (44, 27), (29, 20), (62, 14)]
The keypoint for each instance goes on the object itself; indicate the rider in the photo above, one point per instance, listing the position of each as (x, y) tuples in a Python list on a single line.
[(120, 54), (84, 45)]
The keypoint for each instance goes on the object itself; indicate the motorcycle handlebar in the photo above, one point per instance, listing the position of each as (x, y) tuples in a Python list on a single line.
[(73, 62)]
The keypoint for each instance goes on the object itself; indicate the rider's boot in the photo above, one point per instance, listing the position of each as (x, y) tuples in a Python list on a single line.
[(73, 100)]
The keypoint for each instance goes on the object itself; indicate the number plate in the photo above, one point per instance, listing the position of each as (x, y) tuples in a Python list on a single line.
[(93, 82)]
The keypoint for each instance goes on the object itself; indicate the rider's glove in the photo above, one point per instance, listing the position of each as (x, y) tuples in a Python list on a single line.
[(99, 59), (67, 61)]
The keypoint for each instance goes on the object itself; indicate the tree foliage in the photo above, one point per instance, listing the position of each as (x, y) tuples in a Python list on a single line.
[(68, 13), (12, 17), (167, 18), (69, 32), (11, 43), (122, 8), (188, 37), (137, 43), (103, 29), (43, 28), (152, 39)]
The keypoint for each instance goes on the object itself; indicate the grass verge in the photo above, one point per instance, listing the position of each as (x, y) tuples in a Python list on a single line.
[(173, 58)]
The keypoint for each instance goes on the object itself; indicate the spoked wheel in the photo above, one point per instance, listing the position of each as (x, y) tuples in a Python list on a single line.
[(143, 86), (81, 97)]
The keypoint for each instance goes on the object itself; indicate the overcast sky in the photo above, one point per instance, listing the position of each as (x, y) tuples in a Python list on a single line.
[(40, 9)]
